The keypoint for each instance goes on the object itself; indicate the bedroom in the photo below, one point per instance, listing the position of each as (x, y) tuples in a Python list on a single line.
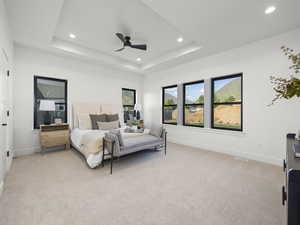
[(237, 172)]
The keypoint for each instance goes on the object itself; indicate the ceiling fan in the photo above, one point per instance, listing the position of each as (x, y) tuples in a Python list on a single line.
[(127, 43)]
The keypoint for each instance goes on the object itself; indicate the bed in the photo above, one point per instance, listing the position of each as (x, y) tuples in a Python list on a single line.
[(88, 142)]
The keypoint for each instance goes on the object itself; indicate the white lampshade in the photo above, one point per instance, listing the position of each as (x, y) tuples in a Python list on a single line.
[(138, 107), (47, 105)]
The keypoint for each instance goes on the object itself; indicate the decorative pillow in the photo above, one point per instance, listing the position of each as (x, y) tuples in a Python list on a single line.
[(108, 125), (119, 135), (156, 131), (84, 121), (97, 118), (112, 117), (128, 130)]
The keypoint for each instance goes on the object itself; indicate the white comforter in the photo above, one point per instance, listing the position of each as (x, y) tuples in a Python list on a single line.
[(89, 143)]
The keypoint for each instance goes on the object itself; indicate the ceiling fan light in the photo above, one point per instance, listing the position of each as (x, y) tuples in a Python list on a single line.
[(73, 36), (270, 10), (180, 39)]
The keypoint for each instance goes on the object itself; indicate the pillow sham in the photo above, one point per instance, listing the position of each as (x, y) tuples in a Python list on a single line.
[(108, 125), (112, 117), (84, 121), (97, 118)]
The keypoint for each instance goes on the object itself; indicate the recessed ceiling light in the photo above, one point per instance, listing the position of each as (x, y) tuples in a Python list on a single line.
[(270, 9), (73, 36), (138, 59), (180, 39)]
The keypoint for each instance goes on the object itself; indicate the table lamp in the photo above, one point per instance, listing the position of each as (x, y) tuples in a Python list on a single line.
[(47, 106), (138, 108)]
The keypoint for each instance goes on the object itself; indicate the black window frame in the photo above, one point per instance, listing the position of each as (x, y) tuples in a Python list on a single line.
[(226, 103), (134, 94), (128, 106), (195, 104), (35, 79), (163, 103)]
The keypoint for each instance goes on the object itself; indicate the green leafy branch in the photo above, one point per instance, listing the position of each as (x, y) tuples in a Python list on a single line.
[(287, 88)]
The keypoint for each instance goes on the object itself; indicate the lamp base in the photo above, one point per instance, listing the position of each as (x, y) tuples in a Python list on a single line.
[(47, 119), (138, 115)]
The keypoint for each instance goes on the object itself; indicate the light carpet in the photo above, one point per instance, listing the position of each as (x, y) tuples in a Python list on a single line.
[(187, 187)]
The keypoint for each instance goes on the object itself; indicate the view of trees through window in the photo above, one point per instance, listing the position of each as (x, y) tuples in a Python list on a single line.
[(170, 105), (194, 104), (227, 102), (128, 97)]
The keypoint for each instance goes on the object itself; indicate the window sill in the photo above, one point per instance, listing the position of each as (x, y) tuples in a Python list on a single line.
[(170, 124), (209, 130)]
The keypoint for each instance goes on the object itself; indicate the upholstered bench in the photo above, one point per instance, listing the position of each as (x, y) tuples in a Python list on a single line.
[(116, 146)]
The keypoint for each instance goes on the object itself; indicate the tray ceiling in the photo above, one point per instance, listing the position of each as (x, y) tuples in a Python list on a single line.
[(207, 27)]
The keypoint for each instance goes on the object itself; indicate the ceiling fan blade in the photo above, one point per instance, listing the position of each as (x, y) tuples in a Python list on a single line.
[(118, 50), (141, 47), (121, 37)]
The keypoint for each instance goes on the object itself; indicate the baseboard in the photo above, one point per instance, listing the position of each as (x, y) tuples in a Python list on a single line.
[(31, 151), (255, 157), (1, 188), (26, 151), (250, 156)]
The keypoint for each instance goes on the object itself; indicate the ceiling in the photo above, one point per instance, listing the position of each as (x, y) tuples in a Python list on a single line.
[(207, 27)]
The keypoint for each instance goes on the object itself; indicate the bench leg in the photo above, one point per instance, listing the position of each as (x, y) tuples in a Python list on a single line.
[(103, 152), (112, 158), (111, 164), (166, 143)]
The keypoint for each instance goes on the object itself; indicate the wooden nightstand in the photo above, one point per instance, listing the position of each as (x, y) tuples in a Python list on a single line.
[(54, 135)]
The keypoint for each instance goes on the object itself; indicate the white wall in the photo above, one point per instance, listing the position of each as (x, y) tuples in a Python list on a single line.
[(86, 83), (265, 127), (6, 63)]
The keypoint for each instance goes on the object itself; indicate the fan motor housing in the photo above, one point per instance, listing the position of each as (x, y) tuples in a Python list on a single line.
[(127, 41)]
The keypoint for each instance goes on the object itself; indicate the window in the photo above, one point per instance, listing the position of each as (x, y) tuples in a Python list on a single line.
[(50, 101), (227, 102), (169, 107), (128, 101), (193, 104)]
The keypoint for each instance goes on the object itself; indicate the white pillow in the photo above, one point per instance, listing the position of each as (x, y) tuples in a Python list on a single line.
[(84, 121), (108, 125)]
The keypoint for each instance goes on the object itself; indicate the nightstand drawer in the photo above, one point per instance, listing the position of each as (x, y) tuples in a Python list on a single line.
[(54, 142), (55, 134)]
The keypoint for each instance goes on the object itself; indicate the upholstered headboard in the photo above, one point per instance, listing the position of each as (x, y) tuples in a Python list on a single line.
[(95, 108)]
